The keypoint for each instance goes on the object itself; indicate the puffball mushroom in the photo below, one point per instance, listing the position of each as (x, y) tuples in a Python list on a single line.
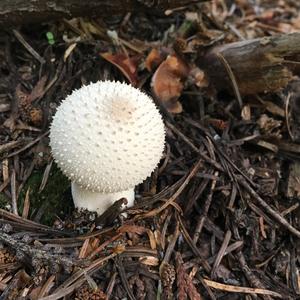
[(106, 137)]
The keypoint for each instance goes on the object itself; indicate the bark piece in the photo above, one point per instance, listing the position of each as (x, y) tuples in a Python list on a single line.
[(14, 12), (293, 184), (258, 65)]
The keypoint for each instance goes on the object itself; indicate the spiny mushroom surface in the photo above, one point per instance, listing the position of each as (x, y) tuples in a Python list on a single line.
[(106, 137)]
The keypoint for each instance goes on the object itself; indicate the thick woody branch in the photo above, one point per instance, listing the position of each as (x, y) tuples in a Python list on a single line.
[(258, 65), (14, 12)]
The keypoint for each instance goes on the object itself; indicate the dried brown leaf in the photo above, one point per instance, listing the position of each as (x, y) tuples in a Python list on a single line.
[(153, 59), (38, 91), (127, 65), (167, 82)]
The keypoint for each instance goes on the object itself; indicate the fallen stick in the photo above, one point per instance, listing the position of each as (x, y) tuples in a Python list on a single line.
[(276, 215), (14, 12), (258, 65)]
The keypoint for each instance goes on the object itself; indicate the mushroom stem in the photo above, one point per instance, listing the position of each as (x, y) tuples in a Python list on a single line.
[(99, 202)]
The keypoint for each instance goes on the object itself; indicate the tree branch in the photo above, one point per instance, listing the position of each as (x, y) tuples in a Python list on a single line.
[(13, 12), (258, 65)]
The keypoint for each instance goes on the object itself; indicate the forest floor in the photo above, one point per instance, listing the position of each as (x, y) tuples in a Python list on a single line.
[(218, 219)]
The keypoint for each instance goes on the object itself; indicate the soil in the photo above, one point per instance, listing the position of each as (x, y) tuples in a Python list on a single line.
[(218, 219)]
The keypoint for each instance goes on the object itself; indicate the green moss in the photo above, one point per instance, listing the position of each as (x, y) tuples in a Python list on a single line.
[(54, 199)]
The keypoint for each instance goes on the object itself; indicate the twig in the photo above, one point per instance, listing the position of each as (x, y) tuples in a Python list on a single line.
[(124, 280), (45, 176), (36, 254), (47, 286), (28, 47), (29, 144), (14, 192), (286, 112), (164, 229), (240, 289), (192, 245), (77, 279), (103, 245), (171, 245), (10, 145), (221, 153), (175, 195), (200, 189), (188, 142), (290, 209), (29, 225), (234, 246), (232, 78), (207, 204), (269, 209), (221, 253), (26, 205)]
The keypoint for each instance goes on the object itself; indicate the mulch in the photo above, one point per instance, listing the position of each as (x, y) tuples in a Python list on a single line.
[(218, 219)]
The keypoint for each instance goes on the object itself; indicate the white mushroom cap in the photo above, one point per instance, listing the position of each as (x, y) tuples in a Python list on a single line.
[(107, 137)]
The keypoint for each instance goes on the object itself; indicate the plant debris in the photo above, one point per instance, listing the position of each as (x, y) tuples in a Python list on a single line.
[(218, 219)]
